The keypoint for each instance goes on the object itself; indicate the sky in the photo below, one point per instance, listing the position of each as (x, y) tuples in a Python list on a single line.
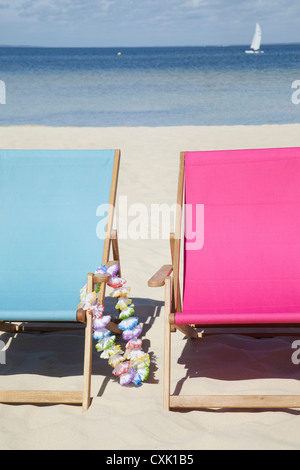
[(133, 23)]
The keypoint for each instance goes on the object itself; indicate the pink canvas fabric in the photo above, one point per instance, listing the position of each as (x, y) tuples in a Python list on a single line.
[(248, 270)]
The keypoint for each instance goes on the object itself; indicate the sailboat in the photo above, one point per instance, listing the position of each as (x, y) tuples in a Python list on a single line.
[(255, 44)]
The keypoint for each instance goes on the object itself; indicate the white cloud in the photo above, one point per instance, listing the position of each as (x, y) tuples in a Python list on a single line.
[(149, 22), (63, 10)]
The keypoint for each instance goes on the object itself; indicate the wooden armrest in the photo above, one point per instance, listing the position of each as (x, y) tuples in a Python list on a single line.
[(158, 279)]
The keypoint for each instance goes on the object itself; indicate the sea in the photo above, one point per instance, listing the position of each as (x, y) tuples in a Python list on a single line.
[(149, 86)]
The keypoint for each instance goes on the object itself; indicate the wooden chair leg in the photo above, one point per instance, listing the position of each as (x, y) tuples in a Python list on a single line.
[(189, 331), (179, 306), (87, 370), (167, 346)]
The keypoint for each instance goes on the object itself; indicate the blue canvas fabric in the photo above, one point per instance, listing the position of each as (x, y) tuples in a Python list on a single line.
[(49, 229)]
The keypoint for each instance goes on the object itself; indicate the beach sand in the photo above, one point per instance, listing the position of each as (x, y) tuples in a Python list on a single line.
[(128, 417)]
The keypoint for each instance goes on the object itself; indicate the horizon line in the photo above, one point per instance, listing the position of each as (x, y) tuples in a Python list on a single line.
[(29, 46)]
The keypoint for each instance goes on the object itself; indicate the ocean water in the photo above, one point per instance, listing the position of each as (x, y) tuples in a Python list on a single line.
[(149, 86)]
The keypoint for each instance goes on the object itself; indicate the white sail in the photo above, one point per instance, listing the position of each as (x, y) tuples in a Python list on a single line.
[(255, 45)]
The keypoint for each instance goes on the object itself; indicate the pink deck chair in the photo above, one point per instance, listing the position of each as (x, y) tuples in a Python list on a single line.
[(241, 254)]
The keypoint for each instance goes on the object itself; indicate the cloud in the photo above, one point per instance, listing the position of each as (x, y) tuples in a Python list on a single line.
[(63, 10), (153, 11), (196, 3), (138, 22)]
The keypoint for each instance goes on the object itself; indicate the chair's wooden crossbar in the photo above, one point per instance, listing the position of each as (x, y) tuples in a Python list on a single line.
[(235, 401), (76, 397), (39, 397), (158, 279)]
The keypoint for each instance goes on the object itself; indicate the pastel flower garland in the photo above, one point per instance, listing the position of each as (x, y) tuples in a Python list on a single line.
[(132, 366)]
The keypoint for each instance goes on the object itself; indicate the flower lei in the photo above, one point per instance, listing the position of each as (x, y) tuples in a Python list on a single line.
[(133, 365)]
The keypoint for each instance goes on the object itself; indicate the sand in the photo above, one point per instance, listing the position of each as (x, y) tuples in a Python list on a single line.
[(133, 418)]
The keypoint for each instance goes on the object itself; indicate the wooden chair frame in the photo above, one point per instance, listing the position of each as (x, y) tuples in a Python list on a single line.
[(168, 276), (82, 397)]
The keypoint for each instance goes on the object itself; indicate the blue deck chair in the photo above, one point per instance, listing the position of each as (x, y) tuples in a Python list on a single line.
[(54, 233)]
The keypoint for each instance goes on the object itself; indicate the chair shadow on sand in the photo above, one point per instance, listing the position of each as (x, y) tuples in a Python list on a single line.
[(32, 352), (222, 357)]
